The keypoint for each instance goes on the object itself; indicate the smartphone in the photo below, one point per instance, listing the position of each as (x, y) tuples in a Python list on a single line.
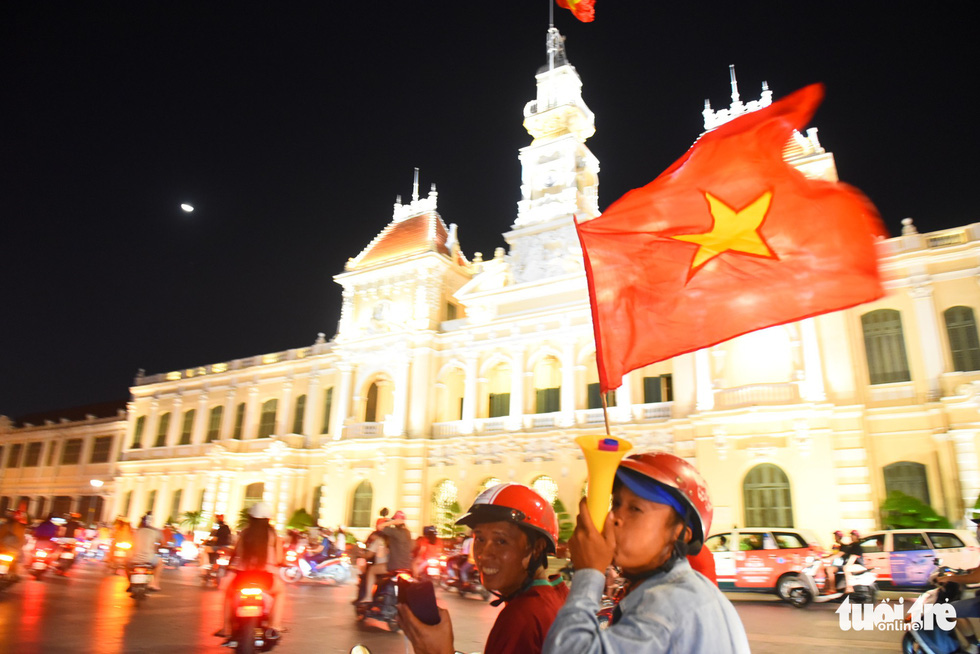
[(421, 599)]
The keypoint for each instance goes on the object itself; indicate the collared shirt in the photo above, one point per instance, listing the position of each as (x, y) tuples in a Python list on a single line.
[(678, 611), (523, 623)]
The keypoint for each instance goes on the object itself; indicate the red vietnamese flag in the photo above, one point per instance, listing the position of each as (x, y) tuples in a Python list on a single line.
[(729, 239), (584, 10)]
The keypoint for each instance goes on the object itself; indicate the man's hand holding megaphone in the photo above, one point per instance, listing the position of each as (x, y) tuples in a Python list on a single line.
[(588, 547)]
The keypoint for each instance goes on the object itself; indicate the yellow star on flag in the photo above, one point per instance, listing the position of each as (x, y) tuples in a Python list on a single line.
[(733, 230)]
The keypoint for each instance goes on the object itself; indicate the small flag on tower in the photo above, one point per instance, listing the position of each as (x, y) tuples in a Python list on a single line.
[(729, 239)]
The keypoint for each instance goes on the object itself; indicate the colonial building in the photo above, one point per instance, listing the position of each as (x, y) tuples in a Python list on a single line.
[(62, 461), (449, 373)]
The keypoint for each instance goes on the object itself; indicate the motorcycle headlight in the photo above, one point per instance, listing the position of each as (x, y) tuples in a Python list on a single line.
[(810, 560)]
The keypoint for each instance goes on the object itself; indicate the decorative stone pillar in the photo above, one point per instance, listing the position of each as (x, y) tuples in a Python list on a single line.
[(313, 399), (342, 402), (250, 424), (813, 386), (567, 401), (199, 431), (469, 393), (228, 414), (210, 496), (282, 416), (624, 399), (176, 422), (705, 392), (516, 389), (929, 338), (396, 426)]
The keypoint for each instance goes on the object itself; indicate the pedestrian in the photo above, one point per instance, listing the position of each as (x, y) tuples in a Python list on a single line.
[(514, 531), (661, 511)]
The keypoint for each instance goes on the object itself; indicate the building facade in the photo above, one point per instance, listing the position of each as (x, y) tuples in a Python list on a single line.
[(451, 373)]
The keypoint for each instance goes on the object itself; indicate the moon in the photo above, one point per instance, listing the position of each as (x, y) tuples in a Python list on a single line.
[(186, 207)]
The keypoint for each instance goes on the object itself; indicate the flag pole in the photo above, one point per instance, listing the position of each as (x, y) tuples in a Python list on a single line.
[(605, 410)]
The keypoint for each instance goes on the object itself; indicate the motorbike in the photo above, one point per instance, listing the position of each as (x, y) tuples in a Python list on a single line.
[(140, 576), (804, 588), (433, 569), (251, 606), (336, 569), (214, 572), (937, 641), (43, 559), (117, 557), (170, 555), (8, 573), (464, 582), (66, 558), (382, 607)]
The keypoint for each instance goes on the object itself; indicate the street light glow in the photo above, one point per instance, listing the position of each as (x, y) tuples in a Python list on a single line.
[(96, 483), (186, 207)]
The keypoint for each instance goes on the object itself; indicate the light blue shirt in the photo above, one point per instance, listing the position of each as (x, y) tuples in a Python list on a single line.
[(678, 612)]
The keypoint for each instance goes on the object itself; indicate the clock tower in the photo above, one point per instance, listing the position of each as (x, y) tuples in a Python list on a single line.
[(559, 176)]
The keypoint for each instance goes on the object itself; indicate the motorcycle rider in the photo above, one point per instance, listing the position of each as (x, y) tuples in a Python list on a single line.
[(427, 546), (13, 535), (399, 540), (257, 556), (661, 510), (853, 559), (44, 535), (71, 525), (146, 542), (220, 537), (375, 563), (515, 530)]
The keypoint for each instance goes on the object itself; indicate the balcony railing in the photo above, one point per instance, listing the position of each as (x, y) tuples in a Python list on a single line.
[(755, 394), (364, 430)]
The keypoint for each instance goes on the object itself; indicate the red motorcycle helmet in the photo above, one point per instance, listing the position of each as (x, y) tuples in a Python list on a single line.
[(683, 482), (515, 503)]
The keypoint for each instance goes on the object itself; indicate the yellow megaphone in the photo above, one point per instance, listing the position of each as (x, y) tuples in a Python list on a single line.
[(602, 457)]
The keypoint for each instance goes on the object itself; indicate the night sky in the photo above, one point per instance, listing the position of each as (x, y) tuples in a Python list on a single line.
[(291, 127)]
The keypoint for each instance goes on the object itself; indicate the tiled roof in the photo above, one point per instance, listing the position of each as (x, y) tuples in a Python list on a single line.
[(422, 233)]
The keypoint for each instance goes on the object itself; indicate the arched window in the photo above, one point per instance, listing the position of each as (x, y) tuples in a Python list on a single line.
[(175, 505), (489, 482), (327, 407), (214, 423), (547, 385), (187, 427), (592, 395), (298, 415), (546, 487), (767, 498), (908, 477), (138, 432), (360, 508), (961, 328), (445, 507), (162, 428), (239, 421), (371, 407), (267, 422), (498, 387), (380, 401), (884, 346), (254, 493)]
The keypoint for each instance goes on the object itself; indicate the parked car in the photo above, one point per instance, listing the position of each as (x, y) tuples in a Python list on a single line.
[(904, 558), (761, 559)]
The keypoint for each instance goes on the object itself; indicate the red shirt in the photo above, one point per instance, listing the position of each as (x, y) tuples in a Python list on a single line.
[(524, 622), (704, 562)]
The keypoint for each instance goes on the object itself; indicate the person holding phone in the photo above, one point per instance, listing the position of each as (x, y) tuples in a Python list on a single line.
[(514, 530)]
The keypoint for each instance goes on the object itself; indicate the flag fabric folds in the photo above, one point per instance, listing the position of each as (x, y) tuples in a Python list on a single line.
[(584, 10), (728, 240)]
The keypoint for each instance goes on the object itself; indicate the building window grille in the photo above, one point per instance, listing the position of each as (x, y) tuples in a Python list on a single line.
[(33, 456), (267, 422), (327, 406), (499, 405), (13, 458), (138, 432), (884, 344), (659, 388), (360, 510), (72, 453), (298, 416), (961, 328), (101, 449), (187, 427), (162, 430), (214, 423), (767, 498), (907, 477), (239, 420)]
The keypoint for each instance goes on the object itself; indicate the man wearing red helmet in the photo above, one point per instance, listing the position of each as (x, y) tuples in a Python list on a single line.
[(660, 512), (514, 530)]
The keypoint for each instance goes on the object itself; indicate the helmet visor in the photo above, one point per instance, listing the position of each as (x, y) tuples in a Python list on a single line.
[(651, 490)]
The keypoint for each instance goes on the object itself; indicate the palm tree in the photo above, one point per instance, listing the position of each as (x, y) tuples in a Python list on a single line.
[(191, 519)]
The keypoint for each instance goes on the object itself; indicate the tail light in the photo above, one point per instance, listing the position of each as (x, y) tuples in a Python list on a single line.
[(41, 554), (6, 558), (250, 591), (124, 546), (223, 561)]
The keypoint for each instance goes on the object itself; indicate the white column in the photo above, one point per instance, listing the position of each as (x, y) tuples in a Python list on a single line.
[(285, 409), (250, 424), (705, 393), (400, 410), (929, 339), (176, 422), (341, 403), (150, 428), (516, 389), (967, 466), (313, 399), (813, 387), (469, 394), (624, 399), (228, 415), (221, 502), (210, 495), (567, 417), (199, 432)]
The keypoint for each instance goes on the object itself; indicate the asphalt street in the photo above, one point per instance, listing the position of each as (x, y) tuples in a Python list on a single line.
[(91, 612)]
